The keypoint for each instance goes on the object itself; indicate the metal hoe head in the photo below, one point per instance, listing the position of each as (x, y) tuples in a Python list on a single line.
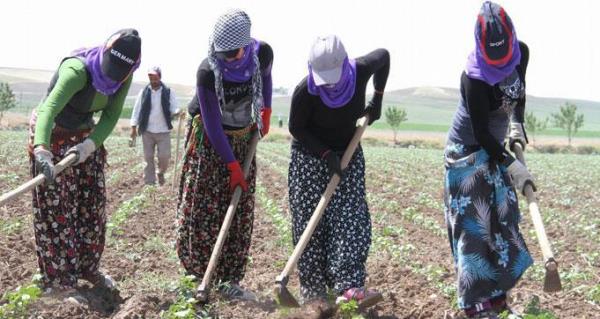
[(202, 294), (283, 296), (552, 279)]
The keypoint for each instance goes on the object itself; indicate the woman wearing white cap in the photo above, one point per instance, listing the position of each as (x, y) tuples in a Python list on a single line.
[(233, 100), (325, 107)]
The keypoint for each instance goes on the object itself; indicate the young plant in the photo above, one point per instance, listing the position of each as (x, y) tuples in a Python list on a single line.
[(593, 294), (279, 220), (349, 310), (18, 301), (11, 226), (127, 209), (534, 311), (185, 305)]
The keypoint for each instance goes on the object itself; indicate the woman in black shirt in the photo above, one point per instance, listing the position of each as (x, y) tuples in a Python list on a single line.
[(482, 178), (325, 108)]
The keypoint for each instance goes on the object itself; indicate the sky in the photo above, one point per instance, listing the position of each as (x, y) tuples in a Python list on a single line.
[(429, 40)]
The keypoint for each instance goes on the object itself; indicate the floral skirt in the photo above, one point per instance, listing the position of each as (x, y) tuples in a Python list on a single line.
[(204, 197), (482, 215), (336, 254), (69, 216)]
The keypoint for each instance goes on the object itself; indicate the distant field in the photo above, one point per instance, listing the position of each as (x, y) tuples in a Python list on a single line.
[(437, 118), (435, 113), (381, 125)]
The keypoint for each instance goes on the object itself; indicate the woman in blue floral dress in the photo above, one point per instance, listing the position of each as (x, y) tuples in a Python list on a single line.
[(482, 178)]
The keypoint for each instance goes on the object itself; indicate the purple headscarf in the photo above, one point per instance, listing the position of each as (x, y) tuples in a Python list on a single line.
[(93, 60), (477, 67), (340, 93), (241, 70)]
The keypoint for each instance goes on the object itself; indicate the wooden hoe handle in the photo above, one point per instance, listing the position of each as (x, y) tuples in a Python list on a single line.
[(318, 213), (216, 252), (38, 180), (534, 211)]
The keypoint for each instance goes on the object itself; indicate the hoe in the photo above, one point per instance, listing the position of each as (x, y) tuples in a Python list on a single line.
[(203, 289), (283, 295), (552, 278)]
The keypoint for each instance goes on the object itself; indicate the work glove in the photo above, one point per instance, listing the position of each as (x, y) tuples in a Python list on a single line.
[(82, 150), (373, 108), (333, 163), (44, 164), (265, 115), (236, 176), (517, 135), (520, 176)]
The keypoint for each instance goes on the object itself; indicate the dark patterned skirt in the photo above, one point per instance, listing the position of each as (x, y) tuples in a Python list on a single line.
[(69, 216), (482, 215), (204, 197), (336, 254)]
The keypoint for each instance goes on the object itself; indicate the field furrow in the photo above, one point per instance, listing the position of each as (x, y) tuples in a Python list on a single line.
[(409, 261)]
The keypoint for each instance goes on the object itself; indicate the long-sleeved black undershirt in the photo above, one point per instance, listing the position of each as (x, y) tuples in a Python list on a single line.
[(482, 98), (320, 128)]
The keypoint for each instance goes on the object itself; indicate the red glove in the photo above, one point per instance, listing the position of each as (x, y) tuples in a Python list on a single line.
[(265, 115), (236, 176)]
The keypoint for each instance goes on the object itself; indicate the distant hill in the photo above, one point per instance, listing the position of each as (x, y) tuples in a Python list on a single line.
[(31, 85), (437, 105), (430, 108)]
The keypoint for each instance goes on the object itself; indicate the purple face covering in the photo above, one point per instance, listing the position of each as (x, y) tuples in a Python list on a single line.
[(240, 70), (93, 60), (477, 67), (339, 94)]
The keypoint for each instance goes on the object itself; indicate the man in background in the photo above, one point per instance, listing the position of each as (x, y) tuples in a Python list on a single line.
[(153, 111)]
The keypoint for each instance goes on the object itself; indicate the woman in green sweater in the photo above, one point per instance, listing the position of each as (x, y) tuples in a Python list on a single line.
[(69, 210)]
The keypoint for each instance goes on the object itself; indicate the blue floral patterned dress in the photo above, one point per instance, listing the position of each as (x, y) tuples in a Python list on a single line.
[(482, 215)]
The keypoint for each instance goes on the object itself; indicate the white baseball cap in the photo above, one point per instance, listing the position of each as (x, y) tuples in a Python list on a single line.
[(155, 70), (326, 59)]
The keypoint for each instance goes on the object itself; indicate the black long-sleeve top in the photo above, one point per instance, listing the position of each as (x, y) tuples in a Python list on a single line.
[(318, 127), (480, 120)]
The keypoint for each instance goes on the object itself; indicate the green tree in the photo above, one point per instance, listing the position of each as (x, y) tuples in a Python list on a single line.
[(7, 99), (394, 116), (568, 119), (534, 125)]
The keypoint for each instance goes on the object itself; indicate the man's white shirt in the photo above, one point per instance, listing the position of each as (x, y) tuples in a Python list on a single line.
[(156, 120)]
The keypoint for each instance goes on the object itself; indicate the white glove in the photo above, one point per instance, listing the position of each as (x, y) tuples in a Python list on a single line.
[(520, 176), (44, 164), (517, 134), (82, 150)]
